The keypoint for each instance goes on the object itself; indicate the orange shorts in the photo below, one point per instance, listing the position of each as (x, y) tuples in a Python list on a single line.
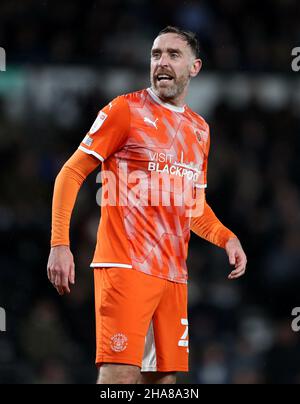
[(141, 320)]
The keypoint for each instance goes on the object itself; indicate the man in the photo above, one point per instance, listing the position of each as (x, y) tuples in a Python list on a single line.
[(152, 139)]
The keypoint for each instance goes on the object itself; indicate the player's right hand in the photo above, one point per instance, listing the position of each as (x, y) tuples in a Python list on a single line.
[(61, 268)]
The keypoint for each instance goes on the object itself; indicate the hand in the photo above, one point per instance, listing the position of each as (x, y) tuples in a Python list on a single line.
[(61, 268), (237, 257)]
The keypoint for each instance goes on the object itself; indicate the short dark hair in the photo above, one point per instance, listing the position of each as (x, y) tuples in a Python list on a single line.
[(188, 36)]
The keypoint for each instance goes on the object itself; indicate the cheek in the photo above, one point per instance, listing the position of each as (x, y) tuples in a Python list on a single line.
[(186, 71), (152, 67), (181, 72), (181, 69)]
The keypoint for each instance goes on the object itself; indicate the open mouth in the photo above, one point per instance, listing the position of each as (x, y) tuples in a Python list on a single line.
[(164, 78)]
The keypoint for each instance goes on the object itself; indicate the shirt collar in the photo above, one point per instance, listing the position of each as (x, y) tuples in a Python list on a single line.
[(164, 104)]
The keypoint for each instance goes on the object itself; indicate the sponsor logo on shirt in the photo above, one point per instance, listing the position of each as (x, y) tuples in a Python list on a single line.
[(173, 167)]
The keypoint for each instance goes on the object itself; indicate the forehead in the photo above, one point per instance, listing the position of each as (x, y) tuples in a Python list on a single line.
[(170, 41)]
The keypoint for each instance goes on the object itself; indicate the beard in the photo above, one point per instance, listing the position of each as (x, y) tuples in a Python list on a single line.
[(169, 90)]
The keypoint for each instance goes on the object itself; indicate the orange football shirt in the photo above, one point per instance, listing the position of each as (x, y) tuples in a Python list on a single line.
[(153, 154)]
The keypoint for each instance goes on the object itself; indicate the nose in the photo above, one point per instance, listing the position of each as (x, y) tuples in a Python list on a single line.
[(163, 61)]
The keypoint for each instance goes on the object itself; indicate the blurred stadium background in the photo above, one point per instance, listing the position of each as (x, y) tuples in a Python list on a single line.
[(65, 60)]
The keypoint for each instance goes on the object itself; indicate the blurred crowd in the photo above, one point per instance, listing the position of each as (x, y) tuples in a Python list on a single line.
[(240, 332), (234, 34)]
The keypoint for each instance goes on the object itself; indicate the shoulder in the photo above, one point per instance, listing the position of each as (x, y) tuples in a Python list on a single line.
[(201, 127), (116, 106), (197, 118), (124, 103), (136, 98)]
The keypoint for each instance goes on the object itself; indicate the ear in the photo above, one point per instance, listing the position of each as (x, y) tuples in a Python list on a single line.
[(196, 67)]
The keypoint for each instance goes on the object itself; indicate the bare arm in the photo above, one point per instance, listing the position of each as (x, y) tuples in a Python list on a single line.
[(60, 267)]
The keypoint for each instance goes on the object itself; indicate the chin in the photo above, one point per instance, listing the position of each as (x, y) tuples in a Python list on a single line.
[(166, 92)]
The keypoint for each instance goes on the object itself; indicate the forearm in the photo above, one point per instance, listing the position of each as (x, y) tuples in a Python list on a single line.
[(209, 227), (67, 185)]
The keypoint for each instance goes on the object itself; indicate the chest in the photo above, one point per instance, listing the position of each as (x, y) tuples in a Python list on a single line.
[(165, 137)]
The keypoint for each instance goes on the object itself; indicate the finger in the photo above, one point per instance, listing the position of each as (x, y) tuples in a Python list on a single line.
[(233, 277), (65, 283), (60, 291), (72, 274), (58, 285), (240, 266), (240, 259), (57, 280), (236, 274), (52, 275), (238, 269), (232, 259)]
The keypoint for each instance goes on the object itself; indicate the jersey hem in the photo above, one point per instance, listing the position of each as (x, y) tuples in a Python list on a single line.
[(109, 264), (128, 266), (200, 186)]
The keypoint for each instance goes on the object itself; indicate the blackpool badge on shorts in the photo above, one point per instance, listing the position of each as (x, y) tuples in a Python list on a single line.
[(118, 342)]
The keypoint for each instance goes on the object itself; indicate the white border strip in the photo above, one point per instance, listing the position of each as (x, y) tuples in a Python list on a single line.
[(109, 264), (92, 152), (200, 186), (164, 104), (149, 362)]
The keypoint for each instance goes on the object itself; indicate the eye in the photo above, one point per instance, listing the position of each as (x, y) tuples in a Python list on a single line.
[(174, 55), (155, 55)]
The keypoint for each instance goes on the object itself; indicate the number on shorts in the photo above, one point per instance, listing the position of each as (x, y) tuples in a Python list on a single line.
[(184, 339)]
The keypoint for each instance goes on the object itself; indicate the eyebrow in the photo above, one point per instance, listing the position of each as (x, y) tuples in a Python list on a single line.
[(169, 50)]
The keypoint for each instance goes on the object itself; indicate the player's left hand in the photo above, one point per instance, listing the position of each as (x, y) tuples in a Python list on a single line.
[(237, 257)]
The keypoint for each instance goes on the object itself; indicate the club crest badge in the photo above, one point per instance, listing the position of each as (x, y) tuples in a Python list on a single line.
[(118, 342), (199, 135)]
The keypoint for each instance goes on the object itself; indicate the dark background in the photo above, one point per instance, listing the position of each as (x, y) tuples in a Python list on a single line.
[(65, 60)]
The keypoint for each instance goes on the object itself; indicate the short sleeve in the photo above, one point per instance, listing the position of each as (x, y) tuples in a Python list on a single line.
[(110, 130)]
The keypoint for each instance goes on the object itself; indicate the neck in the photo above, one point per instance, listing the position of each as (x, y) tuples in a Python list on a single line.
[(178, 101)]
